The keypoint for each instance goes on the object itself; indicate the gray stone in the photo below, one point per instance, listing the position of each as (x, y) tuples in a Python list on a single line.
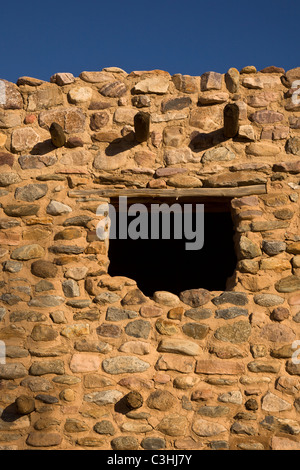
[(173, 425), (70, 288), (11, 97), (243, 429), (118, 314), (89, 345), (9, 223), (37, 384), (153, 443), (20, 210), (2, 313), (238, 332), (31, 192), (46, 301), (104, 427), (109, 331), (49, 399), (27, 252), (213, 411), (218, 154), (106, 298), (235, 298), (67, 249), (78, 221), (47, 367), (205, 428), (175, 104), (134, 297), (195, 330), (288, 284), (293, 146), (27, 316), (198, 313), (28, 162), (80, 303), (125, 443), (249, 249), (10, 299), (231, 312), (273, 247), (264, 366), (233, 396), (12, 371), (268, 300), (57, 208), (106, 397), (195, 297), (6, 179), (124, 364), (138, 329), (44, 286), (12, 266)]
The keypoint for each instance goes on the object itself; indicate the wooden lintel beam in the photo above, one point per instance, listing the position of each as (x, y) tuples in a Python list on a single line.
[(171, 193)]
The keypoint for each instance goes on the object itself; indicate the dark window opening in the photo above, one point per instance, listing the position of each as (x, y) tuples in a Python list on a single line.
[(167, 265)]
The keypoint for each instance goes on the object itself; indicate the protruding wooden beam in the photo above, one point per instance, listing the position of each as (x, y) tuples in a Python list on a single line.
[(171, 193), (231, 120), (58, 136), (142, 126)]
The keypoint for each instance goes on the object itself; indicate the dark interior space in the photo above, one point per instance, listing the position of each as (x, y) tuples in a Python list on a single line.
[(167, 265)]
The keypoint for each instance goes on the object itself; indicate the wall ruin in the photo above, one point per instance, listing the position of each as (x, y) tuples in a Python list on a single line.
[(90, 361)]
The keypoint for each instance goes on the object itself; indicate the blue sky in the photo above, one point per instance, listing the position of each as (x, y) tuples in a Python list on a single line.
[(191, 37)]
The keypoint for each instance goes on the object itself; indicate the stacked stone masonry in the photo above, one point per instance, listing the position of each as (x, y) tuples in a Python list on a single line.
[(93, 363)]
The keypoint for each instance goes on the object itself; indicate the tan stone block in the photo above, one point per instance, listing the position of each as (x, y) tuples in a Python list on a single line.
[(3, 139), (275, 264), (24, 139), (84, 362), (10, 238), (215, 366)]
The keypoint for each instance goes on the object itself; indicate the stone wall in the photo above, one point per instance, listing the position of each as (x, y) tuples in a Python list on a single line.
[(91, 362)]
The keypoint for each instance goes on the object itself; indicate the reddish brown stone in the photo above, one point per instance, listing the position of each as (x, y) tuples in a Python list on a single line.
[(98, 120), (6, 159), (287, 167), (72, 120), (215, 366), (113, 89), (149, 311), (266, 117), (273, 69), (280, 313)]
